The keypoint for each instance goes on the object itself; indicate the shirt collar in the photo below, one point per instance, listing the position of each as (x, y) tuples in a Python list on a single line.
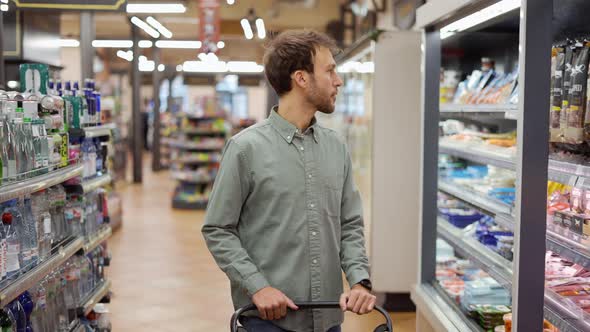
[(286, 129)]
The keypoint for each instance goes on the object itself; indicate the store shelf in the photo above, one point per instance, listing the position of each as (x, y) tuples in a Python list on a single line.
[(38, 273), (442, 314), (201, 132), (569, 173), (195, 146), (455, 108), (96, 183), (187, 177), (562, 316), (203, 117), (184, 205), (26, 187), (94, 298), (568, 249), (475, 199), (99, 131), (479, 156), (495, 265), (98, 239)]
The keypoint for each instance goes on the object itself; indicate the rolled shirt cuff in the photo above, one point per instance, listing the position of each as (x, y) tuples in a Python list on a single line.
[(356, 276), (254, 283)]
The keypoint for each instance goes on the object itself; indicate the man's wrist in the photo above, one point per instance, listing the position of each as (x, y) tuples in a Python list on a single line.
[(366, 284)]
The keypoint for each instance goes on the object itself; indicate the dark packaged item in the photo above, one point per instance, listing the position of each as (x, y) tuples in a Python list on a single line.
[(558, 218), (556, 93), (574, 133), (578, 224), (568, 221), (567, 74)]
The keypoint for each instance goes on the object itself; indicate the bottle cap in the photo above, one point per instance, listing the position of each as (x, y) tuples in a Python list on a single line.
[(7, 218)]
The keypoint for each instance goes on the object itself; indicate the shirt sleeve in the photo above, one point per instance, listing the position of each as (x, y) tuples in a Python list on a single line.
[(353, 256), (230, 191)]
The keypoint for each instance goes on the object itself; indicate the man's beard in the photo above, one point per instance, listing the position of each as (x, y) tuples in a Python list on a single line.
[(321, 103)]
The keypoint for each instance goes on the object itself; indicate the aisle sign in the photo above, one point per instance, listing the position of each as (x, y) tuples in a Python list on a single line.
[(86, 5), (209, 25)]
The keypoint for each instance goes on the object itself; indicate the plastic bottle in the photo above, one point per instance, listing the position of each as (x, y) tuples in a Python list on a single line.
[(11, 150), (5, 322), (99, 156), (92, 155), (17, 311), (30, 237), (14, 260), (28, 306), (84, 121)]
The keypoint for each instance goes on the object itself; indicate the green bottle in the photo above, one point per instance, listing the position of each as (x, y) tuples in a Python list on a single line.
[(72, 108), (5, 322)]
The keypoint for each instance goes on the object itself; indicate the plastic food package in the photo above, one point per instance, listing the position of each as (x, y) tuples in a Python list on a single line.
[(574, 132), (556, 93), (567, 73)]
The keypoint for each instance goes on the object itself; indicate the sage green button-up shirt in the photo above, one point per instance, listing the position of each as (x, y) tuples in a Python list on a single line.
[(284, 212)]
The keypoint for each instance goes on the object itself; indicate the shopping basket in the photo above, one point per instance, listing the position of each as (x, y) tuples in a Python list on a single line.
[(387, 327)]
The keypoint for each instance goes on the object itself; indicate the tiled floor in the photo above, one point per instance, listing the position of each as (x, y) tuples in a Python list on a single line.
[(164, 278)]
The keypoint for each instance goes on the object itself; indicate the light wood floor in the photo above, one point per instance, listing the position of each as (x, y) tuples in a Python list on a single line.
[(164, 278)]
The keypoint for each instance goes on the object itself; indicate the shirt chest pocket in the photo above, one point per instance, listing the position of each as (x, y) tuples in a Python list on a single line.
[(331, 192)]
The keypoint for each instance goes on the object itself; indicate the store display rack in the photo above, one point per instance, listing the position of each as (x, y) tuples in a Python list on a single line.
[(475, 199), (185, 205), (87, 305), (29, 186), (509, 111), (96, 183), (186, 176), (34, 276), (495, 265), (103, 235)]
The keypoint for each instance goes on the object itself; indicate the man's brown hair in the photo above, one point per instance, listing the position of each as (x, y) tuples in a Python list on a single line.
[(291, 51)]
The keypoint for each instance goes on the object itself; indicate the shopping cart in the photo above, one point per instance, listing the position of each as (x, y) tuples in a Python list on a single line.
[(387, 327)]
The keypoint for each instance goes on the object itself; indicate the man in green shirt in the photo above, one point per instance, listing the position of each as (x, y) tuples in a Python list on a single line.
[(284, 218)]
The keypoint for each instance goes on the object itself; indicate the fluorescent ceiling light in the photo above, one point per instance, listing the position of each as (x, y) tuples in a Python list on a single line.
[(156, 8), (179, 68), (479, 17), (357, 67), (69, 43), (204, 67), (231, 2), (145, 43), (161, 67), (143, 58), (147, 65), (247, 28), (260, 28), (145, 27), (220, 44), (112, 43), (4, 1), (189, 44), (244, 67), (125, 55), (162, 29), (4, 8), (202, 56)]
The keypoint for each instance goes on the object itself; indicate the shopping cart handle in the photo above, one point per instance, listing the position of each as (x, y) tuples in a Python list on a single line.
[(388, 327)]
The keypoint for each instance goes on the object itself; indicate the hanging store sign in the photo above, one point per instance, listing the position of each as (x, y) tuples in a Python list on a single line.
[(86, 5), (209, 25)]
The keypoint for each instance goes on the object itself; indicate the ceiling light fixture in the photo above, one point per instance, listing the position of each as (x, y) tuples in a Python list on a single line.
[(145, 27), (69, 43), (148, 65), (244, 67), (145, 43), (231, 2), (479, 17), (161, 67), (179, 68), (156, 8), (112, 43), (162, 29), (247, 28), (188, 44), (220, 44), (204, 67), (260, 28), (4, 7)]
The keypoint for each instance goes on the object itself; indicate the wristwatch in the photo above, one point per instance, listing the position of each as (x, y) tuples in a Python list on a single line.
[(367, 284)]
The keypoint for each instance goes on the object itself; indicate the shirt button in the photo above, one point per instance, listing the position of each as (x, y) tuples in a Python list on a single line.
[(311, 205), (315, 261), (288, 137), (314, 233), (302, 149), (309, 176)]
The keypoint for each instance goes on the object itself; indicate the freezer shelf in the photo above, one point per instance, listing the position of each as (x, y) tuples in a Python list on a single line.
[(26, 187), (34, 276), (481, 108), (495, 265), (442, 313), (475, 199), (479, 156), (562, 316), (568, 249)]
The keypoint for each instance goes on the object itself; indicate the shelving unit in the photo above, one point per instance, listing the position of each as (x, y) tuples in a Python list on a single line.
[(194, 164), (517, 38), (26, 187), (96, 183), (99, 131), (98, 239), (34, 276), (87, 305)]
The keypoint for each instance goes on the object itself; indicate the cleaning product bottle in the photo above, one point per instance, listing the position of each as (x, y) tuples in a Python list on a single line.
[(13, 255)]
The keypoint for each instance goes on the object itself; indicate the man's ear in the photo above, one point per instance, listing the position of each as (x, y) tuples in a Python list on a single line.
[(300, 78)]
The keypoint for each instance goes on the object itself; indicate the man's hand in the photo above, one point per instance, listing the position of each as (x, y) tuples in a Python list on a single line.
[(272, 303), (358, 300)]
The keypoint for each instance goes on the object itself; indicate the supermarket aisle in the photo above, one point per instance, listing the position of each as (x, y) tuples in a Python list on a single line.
[(163, 276)]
